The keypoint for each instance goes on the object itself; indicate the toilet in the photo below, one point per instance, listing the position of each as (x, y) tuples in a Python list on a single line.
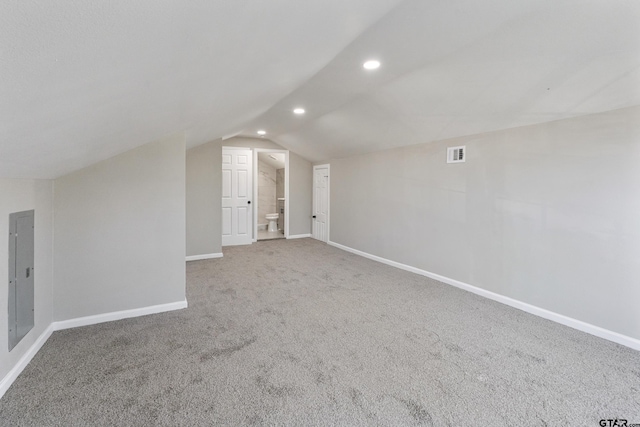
[(273, 221)]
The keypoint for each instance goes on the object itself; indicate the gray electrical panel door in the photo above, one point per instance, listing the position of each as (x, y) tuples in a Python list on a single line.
[(21, 250)]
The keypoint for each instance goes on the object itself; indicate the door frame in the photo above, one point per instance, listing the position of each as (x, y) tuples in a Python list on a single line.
[(313, 198), (287, 200), (253, 209)]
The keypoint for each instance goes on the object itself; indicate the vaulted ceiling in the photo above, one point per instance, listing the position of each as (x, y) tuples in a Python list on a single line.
[(82, 81)]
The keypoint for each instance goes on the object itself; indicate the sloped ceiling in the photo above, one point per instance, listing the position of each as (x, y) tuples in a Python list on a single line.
[(83, 81)]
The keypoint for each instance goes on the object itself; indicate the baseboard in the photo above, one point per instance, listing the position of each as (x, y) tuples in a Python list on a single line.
[(298, 236), (24, 361), (532, 309), (6, 382), (117, 315), (205, 256)]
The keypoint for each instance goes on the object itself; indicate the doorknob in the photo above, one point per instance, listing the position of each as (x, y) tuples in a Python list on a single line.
[(248, 202), (313, 216)]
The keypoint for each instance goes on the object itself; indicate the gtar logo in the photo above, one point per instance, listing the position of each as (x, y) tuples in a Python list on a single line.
[(614, 423)]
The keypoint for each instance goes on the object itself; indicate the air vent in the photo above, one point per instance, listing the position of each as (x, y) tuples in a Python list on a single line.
[(456, 154)]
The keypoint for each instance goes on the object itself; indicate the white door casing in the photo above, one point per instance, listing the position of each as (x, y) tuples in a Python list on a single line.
[(237, 192), (320, 218)]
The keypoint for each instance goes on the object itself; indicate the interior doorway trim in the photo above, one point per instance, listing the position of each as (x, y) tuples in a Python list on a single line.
[(314, 209), (287, 200)]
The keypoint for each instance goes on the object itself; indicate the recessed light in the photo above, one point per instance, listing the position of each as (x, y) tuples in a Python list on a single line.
[(298, 111), (371, 65), (262, 132)]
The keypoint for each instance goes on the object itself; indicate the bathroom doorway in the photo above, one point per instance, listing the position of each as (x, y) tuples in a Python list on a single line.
[(271, 193)]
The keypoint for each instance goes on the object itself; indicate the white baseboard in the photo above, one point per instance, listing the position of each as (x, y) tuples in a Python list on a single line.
[(205, 256), (117, 315), (532, 309), (24, 361), (8, 379), (298, 236)]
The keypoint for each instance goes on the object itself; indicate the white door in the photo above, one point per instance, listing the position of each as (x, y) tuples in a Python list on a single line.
[(236, 196), (320, 223)]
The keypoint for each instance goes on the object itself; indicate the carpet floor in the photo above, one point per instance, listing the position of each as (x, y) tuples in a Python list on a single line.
[(300, 333)]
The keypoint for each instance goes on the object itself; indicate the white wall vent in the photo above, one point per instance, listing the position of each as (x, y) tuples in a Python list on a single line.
[(456, 154)]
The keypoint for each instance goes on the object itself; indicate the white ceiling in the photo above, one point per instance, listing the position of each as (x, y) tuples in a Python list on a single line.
[(275, 160), (83, 81)]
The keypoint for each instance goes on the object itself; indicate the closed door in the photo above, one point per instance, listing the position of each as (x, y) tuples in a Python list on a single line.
[(236, 197), (320, 224), (21, 284)]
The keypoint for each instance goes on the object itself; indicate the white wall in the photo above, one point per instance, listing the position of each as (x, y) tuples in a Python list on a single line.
[(120, 232), (204, 181), (546, 214), (21, 195), (204, 199), (300, 193)]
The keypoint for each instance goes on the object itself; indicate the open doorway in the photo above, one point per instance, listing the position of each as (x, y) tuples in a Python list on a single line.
[(271, 193)]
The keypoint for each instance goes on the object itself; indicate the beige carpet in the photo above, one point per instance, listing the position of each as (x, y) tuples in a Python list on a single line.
[(300, 333)]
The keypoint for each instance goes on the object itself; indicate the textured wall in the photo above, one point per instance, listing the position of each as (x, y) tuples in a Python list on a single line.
[(18, 195), (546, 214), (120, 232)]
